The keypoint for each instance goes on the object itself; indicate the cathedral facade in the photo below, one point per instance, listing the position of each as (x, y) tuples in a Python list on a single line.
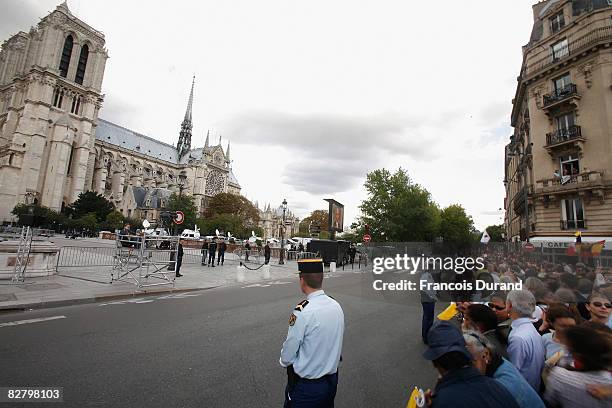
[(53, 146)]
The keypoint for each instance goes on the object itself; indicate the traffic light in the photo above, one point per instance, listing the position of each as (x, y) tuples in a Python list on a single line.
[(367, 229), (578, 237)]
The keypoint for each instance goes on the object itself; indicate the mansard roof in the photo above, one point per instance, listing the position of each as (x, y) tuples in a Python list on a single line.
[(150, 197)]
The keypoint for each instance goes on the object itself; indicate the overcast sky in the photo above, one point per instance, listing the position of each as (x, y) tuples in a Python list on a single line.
[(314, 94)]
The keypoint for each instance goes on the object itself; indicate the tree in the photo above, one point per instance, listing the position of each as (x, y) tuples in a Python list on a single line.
[(456, 228), (186, 204), (87, 222), (114, 221), (41, 216), (397, 209), (90, 202), (495, 232), (317, 217), (227, 203)]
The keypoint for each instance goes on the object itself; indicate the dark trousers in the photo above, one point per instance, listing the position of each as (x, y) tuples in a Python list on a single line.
[(179, 262), (428, 318), (211, 258), (266, 259), (312, 393), (221, 258)]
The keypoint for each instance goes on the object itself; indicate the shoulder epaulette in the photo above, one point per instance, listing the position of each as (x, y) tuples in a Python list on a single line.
[(300, 306)]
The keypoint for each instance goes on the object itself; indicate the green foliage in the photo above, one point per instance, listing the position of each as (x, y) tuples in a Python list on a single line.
[(495, 232), (114, 221), (90, 202), (233, 204), (42, 216), (86, 222), (317, 217), (457, 228), (186, 204), (397, 209)]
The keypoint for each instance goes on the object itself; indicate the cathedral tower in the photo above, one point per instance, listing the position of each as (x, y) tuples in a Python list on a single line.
[(184, 143)]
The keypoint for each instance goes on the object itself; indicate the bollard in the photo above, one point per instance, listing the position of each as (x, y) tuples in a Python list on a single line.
[(240, 273), (266, 271), (332, 267)]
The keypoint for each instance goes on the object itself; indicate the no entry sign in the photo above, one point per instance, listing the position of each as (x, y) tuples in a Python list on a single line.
[(367, 238), (179, 217)]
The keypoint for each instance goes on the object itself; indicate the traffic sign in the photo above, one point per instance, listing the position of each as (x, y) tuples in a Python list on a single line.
[(179, 217), (367, 238)]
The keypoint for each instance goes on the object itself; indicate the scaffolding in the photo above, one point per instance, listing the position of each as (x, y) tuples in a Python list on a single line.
[(145, 260), (23, 255)]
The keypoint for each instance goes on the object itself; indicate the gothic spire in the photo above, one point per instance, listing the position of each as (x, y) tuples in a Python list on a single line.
[(227, 152), (207, 137), (219, 140), (184, 143)]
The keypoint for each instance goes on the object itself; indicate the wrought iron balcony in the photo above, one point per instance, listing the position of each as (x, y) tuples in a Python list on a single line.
[(589, 181), (563, 135), (573, 224), (560, 95)]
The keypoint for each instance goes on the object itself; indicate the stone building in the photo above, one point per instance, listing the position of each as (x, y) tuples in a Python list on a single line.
[(558, 164), (53, 146), (271, 222)]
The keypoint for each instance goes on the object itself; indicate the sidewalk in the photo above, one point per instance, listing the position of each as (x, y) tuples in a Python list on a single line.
[(88, 285)]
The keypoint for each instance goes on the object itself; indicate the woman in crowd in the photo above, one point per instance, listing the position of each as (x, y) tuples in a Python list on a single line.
[(558, 318), (599, 307), (488, 361), (592, 353)]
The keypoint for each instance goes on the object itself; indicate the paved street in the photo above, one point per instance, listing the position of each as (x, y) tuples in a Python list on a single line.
[(212, 348)]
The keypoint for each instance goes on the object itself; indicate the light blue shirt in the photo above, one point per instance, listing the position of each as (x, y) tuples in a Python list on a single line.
[(314, 340), (508, 376), (526, 351)]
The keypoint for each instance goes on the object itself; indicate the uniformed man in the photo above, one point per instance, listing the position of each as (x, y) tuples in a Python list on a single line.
[(313, 347)]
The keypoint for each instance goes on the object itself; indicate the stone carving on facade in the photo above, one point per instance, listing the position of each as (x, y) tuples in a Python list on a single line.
[(537, 94), (586, 70)]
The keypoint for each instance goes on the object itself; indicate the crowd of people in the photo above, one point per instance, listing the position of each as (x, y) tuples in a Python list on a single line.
[(546, 345)]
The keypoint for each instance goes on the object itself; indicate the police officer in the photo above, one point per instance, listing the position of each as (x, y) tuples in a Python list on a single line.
[(311, 352)]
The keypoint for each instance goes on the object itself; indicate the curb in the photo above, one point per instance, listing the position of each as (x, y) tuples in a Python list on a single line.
[(94, 299)]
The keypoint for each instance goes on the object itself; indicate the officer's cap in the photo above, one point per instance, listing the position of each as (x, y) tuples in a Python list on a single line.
[(310, 265)]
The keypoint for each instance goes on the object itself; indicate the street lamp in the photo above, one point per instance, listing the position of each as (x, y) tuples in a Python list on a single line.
[(281, 260)]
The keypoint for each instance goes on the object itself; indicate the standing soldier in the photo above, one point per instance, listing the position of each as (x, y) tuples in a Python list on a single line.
[(312, 351), (212, 248), (179, 259), (221, 252), (267, 253)]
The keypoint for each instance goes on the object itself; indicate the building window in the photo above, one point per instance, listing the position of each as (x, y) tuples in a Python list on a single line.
[(66, 54), (80, 74), (70, 158), (76, 104), (560, 49), (572, 214), (569, 165), (565, 124), (561, 83), (58, 97), (557, 22)]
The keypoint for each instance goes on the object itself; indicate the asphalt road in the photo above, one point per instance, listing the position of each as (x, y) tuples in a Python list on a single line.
[(215, 348)]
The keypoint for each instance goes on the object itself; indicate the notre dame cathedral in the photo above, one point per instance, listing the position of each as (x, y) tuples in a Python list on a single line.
[(53, 146)]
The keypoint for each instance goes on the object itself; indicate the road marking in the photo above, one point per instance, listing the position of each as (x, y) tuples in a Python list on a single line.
[(40, 319)]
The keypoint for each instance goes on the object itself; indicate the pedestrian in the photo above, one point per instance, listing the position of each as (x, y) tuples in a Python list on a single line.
[(460, 385), (204, 251), (525, 345), (221, 252), (247, 249), (599, 307), (482, 319), (487, 359), (212, 248), (428, 303), (124, 236), (300, 247), (312, 351), (179, 259), (267, 253)]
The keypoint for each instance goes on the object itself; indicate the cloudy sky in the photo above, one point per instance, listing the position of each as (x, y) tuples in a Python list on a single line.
[(314, 94)]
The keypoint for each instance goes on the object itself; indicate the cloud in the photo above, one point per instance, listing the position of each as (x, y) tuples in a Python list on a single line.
[(20, 15), (332, 152)]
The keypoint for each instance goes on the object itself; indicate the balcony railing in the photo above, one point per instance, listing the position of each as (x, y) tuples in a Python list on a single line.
[(563, 135), (573, 224), (584, 42), (561, 94)]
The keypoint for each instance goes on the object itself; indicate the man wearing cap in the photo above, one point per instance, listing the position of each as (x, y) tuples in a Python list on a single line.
[(311, 352), (460, 384)]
